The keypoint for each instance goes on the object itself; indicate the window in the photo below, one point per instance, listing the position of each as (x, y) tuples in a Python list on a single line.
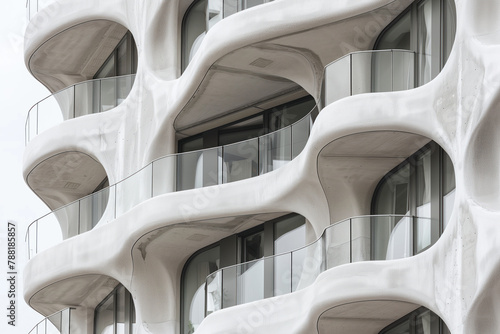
[(193, 285), (422, 186), (244, 283), (115, 314), (420, 321), (122, 61), (250, 127), (428, 27)]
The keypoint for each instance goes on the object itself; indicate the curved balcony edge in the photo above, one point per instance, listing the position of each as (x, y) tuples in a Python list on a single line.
[(59, 322), (355, 239), (83, 98), (172, 173), (384, 70)]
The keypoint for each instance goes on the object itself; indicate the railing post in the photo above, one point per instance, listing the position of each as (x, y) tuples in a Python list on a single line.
[(350, 240), (206, 297), (221, 289), (350, 74), (74, 101), (37, 120), (291, 271), (36, 238)]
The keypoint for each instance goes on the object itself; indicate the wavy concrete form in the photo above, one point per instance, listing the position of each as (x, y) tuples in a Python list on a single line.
[(456, 278)]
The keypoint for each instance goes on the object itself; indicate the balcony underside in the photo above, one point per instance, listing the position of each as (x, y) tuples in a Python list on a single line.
[(354, 164), (264, 74), (363, 317), (65, 177), (75, 54)]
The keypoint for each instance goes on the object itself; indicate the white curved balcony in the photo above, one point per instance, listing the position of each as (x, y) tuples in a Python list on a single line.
[(176, 172), (385, 71), (348, 241), (84, 98)]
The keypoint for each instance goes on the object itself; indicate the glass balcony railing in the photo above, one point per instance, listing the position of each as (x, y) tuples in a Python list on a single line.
[(368, 72), (183, 171), (88, 97), (216, 165), (364, 238), (57, 323)]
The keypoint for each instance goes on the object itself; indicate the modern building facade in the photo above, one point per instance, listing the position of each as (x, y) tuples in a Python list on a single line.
[(258, 166)]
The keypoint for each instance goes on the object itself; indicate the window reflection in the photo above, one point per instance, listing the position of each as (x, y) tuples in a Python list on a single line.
[(409, 189), (421, 321), (115, 314)]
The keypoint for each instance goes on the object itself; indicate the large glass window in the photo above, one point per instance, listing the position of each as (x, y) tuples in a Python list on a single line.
[(115, 314), (422, 186), (250, 127), (245, 282), (424, 40), (428, 27), (195, 273), (420, 321), (122, 61)]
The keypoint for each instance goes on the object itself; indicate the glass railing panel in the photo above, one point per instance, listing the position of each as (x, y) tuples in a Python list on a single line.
[(213, 292), (54, 323), (66, 321), (69, 218), (110, 211), (371, 72), (134, 190), (403, 70), (49, 232), (57, 323), (164, 175), (307, 264), (215, 8), (283, 273), (337, 80), (49, 111), (123, 87), (426, 233), (245, 4), (33, 239), (109, 94), (230, 7), (275, 150), (87, 98), (229, 286), (392, 237), (361, 72), (42, 328), (199, 169), (66, 102), (77, 100), (92, 208), (300, 134), (338, 244), (250, 282), (32, 123), (361, 239), (240, 160)]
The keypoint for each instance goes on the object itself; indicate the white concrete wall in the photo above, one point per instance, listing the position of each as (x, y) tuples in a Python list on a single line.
[(145, 248)]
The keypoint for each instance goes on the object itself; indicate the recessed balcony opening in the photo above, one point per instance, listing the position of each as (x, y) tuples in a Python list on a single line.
[(90, 85), (201, 16), (248, 147), (380, 317), (80, 293), (243, 263), (404, 182)]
